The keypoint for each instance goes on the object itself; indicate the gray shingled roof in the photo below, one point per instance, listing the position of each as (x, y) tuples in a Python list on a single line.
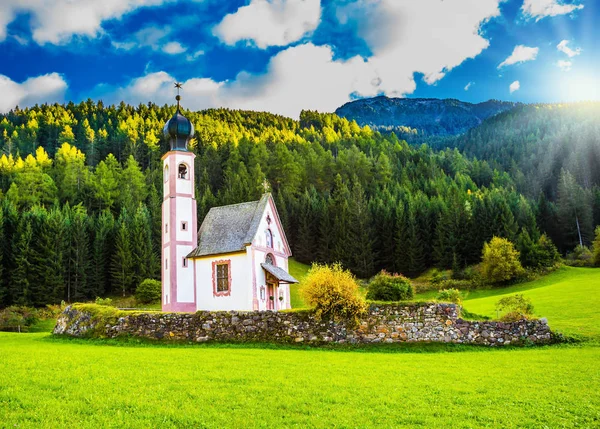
[(230, 228), (279, 273)]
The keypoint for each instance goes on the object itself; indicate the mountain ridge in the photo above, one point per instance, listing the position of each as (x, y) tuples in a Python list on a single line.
[(430, 116)]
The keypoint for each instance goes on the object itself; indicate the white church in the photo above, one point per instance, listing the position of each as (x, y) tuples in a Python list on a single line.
[(237, 260)]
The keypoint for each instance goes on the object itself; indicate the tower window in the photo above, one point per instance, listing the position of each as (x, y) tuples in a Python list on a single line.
[(184, 226), (183, 172), (166, 228), (166, 264), (184, 263), (166, 178)]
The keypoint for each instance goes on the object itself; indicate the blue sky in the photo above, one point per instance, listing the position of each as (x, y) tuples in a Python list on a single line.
[(286, 55)]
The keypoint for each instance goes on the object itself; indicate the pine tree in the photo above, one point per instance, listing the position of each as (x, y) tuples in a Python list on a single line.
[(102, 226), (144, 266), (360, 235), (20, 280), (77, 256), (121, 270)]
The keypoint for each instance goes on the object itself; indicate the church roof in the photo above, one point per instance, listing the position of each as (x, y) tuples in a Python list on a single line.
[(230, 228)]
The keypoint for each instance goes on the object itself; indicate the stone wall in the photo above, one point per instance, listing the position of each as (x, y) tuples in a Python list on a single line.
[(385, 323)]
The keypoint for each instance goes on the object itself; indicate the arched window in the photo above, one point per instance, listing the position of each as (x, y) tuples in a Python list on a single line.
[(166, 173), (269, 259), (183, 172), (269, 236)]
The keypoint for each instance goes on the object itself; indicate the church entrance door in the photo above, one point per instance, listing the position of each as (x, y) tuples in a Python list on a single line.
[(271, 296)]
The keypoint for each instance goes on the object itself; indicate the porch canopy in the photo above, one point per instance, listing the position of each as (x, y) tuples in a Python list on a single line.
[(279, 273)]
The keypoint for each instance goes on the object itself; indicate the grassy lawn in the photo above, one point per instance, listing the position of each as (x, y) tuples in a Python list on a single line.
[(60, 383), (569, 298), (298, 270)]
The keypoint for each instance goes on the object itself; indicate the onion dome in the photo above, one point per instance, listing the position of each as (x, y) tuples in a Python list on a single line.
[(178, 130)]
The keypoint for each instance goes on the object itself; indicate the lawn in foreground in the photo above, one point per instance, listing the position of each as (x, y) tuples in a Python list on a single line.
[(569, 298), (61, 383)]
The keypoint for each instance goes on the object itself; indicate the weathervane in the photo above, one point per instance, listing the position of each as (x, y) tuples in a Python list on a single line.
[(178, 85)]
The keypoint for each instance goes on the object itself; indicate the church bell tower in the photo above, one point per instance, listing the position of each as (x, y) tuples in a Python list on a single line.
[(179, 216)]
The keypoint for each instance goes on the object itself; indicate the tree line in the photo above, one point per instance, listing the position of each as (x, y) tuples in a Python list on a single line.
[(80, 191)]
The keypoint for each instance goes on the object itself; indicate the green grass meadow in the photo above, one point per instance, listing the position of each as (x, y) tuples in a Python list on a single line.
[(58, 382)]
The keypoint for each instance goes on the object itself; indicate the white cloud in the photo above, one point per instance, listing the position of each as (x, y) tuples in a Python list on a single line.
[(47, 88), (562, 46), (469, 85), (195, 55), (173, 48), (57, 21), (515, 86), (155, 38), (270, 22), (404, 37), (520, 54), (564, 65), (539, 9)]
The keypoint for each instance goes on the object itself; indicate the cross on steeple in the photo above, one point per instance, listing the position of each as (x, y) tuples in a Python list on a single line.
[(179, 86)]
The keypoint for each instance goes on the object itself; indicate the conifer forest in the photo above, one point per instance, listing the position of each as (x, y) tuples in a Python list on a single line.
[(81, 190)]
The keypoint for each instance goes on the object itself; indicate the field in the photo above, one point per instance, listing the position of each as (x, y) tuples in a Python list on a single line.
[(49, 382)]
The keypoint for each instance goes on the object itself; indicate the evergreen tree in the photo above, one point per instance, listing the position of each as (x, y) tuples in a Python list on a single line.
[(48, 258), (20, 281), (144, 264), (359, 246), (77, 256), (121, 270), (101, 247)]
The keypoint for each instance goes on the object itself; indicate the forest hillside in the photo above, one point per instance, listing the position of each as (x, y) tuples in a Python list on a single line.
[(80, 195)]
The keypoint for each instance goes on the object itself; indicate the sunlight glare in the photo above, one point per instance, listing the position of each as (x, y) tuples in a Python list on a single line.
[(579, 87)]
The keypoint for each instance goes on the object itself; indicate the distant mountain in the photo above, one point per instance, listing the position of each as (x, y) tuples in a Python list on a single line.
[(429, 116)]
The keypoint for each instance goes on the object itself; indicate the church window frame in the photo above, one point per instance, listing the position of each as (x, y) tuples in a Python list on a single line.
[(166, 173), (184, 225), (270, 259), (221, 276), (269, 239), (184, 262), (183, 171)]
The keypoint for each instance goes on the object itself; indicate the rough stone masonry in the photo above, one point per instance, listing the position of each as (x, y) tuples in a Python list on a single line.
[(383, 323)]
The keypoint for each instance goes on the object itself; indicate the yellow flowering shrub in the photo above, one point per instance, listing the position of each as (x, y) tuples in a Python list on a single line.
[(334, 293), (500, 261)]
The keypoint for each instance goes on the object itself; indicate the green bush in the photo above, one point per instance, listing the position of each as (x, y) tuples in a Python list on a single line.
[(500, 261), (334, 293), (149, 291), (458, 284), (515, 307), (450, 295), (537, 254), (580, 257), (390, 287), (103, 301), (17, 319), (438, 276)]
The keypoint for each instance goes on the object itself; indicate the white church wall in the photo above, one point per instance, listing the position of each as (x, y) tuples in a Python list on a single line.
[(166, 277), (240, 294), (185, 212), (185, 275), (278, 251), (166, 221)]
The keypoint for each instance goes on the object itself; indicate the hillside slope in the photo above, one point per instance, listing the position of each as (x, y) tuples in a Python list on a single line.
[(569, 298), (430, 116)]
